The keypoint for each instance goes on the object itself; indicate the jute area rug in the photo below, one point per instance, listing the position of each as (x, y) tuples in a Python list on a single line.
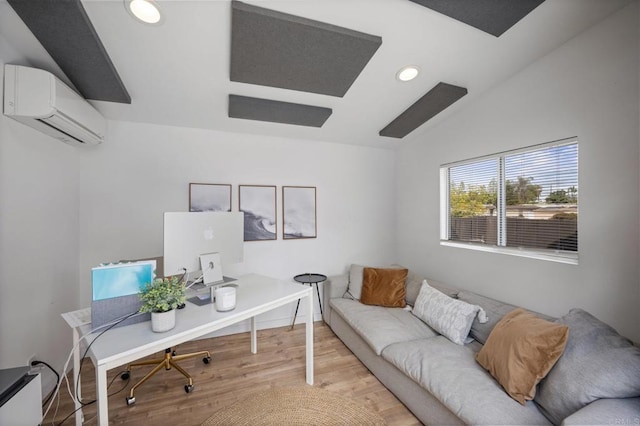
[(305, 405)]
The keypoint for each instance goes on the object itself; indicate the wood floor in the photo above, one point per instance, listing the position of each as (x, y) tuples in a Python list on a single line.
[(233, 374)]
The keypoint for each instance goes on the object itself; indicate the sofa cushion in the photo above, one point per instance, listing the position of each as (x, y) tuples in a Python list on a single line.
[(384, 287), (355, 281), (448, 316), (521, 350), (451, 374), (495, 310), (597, 363), (379, 326), (414, 283), (607, 411)]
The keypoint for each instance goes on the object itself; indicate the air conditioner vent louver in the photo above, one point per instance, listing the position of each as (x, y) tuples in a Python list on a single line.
[(40, 100)]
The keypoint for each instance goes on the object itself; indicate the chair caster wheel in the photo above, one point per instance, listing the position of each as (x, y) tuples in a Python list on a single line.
[(206, 359), (131, 400), (125, 375), (188, 388), (174, 353)]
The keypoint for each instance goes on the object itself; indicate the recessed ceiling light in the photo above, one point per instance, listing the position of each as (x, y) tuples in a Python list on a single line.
[(408, 73), (146, 11)]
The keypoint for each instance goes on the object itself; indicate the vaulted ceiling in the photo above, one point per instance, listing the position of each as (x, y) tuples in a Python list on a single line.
[(305, 69)]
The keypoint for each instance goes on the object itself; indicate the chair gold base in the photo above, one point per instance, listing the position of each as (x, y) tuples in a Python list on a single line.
[(169, 361)]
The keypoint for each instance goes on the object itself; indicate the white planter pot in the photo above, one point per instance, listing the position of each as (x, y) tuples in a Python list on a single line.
[(163, 321)]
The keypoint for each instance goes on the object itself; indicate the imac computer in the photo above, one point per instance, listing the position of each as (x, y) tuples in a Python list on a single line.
[(217, 237)]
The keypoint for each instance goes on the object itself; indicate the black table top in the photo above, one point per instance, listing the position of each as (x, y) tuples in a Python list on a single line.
[(310, 278)]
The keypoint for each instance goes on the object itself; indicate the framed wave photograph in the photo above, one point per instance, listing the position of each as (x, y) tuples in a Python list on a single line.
[(258, 202), (298, 212), (209, 197)]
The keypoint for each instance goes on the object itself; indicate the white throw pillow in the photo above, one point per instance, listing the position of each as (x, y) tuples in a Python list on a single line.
[(356, 274), (450, 317)]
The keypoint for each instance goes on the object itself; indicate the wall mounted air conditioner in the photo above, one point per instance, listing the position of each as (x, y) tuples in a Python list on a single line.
[(38, 99)]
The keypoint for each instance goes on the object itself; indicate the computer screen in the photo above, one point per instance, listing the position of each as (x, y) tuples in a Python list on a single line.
[(188, 235), (121, 279)]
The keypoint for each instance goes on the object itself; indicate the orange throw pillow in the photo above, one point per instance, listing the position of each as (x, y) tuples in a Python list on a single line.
[(384, 287), (521, 350)]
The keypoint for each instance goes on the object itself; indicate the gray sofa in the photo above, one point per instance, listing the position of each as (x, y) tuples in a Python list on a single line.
[(441, 382)]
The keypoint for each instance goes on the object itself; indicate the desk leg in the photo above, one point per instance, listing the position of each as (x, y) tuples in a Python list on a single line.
[(76, 380), (101, 391), (309, 336), (254, 336)]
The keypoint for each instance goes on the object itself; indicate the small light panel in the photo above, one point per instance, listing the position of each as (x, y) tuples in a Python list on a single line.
[(146, 11), (408, 73)]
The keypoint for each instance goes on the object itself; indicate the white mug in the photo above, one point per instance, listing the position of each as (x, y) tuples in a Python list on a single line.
[(225, 298)]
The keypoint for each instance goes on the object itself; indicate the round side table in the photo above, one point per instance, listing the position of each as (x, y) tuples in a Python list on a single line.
[(311, 279)]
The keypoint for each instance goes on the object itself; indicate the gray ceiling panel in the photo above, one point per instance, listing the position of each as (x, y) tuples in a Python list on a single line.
[(435, 101), (492, 16), (276, 49), (65, 31), (277, 111)]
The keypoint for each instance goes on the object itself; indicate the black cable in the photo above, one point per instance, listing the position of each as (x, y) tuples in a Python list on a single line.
[(72, 413), (182, 278), (95, 400), (36, 362), (82, 404), (87, 351)]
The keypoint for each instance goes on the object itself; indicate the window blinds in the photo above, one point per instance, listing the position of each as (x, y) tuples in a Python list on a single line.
[(526, 198)]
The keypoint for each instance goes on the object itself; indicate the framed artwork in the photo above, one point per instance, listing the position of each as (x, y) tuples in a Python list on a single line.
[(258, 202), (298, 212), (209, 197)]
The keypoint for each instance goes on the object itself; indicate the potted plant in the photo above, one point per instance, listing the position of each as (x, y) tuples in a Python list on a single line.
[(161, 297)]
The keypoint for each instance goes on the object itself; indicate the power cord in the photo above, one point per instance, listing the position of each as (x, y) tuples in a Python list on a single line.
[(76, 397), (36, 362), (71, 353), (94, 401), (58, 381), (87, 351), (196, 281)]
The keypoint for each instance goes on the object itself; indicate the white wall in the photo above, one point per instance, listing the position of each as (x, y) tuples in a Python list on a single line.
[(38, 241), (64, 210), (586, 88), (144, 170)]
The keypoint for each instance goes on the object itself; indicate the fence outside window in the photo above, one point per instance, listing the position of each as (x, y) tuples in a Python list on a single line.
[(525, 200)]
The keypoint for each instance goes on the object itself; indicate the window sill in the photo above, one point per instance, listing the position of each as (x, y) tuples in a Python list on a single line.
[(560, 257)]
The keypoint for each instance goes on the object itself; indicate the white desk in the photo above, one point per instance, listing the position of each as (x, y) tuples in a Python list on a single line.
[(255, 295)]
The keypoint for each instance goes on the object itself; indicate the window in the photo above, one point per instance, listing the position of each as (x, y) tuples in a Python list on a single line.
[(522, 202)]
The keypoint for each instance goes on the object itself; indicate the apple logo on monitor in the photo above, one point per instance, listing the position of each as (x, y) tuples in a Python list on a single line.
[(208, 234)]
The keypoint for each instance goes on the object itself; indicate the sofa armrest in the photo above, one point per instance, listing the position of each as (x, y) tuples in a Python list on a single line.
[(334, 286), (607, 411)]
